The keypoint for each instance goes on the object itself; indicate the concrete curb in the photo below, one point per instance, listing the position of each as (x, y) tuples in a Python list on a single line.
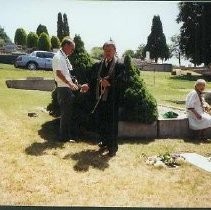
[(162, 128), (31, 83)]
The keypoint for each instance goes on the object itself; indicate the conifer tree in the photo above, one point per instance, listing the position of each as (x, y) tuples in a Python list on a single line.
[(139, 105), (3, 36), (20, 37), (156, 42), (55, 43), (40, 29), (32, 40), (44, 42), (66, 31), (60, 29), (80, 59)]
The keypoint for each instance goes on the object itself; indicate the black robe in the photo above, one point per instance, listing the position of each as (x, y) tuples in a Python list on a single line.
[(107, 111)]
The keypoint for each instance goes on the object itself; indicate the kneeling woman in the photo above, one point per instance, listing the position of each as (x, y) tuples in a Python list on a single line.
[(196, 107)]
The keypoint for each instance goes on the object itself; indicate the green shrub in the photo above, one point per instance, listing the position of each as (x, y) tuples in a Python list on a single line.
[(32, 40), (139, 105), (55, 43), (8, 59), (44, 42), (53, 107), (20, 37)]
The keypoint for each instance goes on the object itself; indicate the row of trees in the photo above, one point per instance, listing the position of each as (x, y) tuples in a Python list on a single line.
[(41, 39), (193, 42)]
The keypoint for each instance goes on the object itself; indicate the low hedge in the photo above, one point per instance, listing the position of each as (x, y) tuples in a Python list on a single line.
[(8, 59)]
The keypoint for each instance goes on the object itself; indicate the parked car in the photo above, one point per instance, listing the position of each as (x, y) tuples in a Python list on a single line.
[(35, 60)]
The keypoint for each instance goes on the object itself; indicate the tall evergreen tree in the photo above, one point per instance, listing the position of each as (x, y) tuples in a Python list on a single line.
[(80, 59), (32, 40), (66, 30), (3, 36), (195, 31), (60, 28), (40, 29), (44, 42), (156, 42), (20, 37)]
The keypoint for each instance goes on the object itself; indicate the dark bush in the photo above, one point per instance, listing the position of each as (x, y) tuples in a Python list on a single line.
[(8, 59), (139, 105)]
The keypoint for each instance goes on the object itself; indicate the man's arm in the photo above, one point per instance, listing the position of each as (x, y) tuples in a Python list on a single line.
[(62, 77), (198, 116)]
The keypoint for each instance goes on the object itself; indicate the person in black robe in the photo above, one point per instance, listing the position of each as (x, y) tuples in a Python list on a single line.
[(107, 83)]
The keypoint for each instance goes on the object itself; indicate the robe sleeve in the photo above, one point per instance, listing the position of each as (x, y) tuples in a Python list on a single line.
[(191, 100)]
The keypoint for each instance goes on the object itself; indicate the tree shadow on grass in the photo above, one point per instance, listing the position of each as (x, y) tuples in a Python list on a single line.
[(190, 77), (135, 140), (88, 158), (48, 133), (196, 141)]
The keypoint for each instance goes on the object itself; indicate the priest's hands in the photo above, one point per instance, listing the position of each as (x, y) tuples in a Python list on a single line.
[(84, 88), (105, 83)]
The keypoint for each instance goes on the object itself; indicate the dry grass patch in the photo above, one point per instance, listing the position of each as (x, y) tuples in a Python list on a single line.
[(38, 170)]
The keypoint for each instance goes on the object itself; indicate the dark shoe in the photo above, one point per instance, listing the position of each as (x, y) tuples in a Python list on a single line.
[(111, 154), (104, 153), (67, 140), (103, 150), (101, 145), (63, 140)]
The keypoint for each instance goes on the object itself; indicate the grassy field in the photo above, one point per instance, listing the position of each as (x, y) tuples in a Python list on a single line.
[(170, 90), (37, 170)]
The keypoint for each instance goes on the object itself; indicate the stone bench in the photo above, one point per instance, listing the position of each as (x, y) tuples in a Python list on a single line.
[(162, 128)]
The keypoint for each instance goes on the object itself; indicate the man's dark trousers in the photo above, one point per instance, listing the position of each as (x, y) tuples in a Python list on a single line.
[(66, 99), (107, 118)]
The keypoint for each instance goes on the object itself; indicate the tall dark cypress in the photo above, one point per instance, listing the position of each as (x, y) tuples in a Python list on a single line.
[(66, 30), (60, 30), (156, 43)]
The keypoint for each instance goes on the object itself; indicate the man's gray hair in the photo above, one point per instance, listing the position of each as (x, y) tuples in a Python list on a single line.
[(110, 42), (67, 40), (200, 81)]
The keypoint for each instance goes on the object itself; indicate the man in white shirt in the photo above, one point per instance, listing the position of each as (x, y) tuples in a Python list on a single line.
[(65, 88)]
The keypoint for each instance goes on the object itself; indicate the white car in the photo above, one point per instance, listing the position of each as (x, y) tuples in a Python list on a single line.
[(35, 60)]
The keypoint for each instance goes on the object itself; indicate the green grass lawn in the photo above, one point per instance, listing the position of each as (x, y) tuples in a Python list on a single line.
[(37, 170), (167, 89)]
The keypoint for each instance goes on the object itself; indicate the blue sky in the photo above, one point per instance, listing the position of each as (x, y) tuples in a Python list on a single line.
[(127, 23)]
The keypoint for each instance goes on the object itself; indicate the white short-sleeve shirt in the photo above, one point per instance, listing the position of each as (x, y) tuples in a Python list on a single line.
[(61, 62)]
